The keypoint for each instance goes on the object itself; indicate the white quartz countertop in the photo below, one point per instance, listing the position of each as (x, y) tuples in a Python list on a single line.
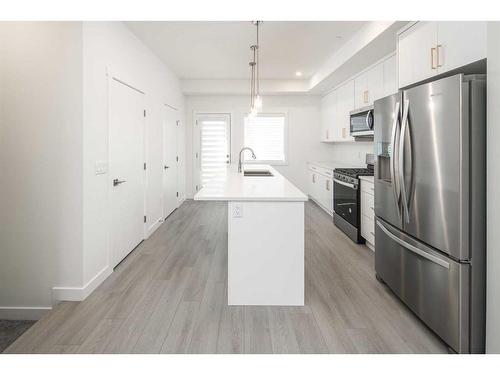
[(233, 186), (366, 178)]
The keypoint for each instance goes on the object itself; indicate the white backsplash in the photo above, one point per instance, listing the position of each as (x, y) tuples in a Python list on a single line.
[(351, 152)]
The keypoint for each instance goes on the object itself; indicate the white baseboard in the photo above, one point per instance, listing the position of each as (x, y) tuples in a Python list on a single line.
[(154, 227), (61, 293), (23, 313)]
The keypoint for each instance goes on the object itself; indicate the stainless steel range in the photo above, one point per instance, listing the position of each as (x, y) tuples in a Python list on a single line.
[(347, 199)]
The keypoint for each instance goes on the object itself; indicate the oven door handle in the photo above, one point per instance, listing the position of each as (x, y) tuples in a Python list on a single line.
[(352, 186)]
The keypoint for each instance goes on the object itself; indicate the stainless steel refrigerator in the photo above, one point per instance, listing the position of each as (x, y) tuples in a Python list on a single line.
[(430, 205)]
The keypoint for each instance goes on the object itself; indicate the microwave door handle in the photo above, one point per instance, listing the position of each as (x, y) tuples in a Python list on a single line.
[(367, 120), (394, 179), (401, 171)]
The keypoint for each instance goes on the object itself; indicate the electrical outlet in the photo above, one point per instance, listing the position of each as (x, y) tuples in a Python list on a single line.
[(237, 210)]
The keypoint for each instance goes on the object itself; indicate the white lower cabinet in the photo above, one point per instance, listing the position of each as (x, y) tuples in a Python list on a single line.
[(321, 187), (368, 212)]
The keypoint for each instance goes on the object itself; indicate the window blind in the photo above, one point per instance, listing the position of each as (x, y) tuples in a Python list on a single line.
[(265, 134)]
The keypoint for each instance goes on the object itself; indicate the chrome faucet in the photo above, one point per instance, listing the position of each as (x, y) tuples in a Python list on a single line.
[(239, 162)]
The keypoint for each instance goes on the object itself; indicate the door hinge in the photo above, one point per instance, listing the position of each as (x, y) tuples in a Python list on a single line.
[(144, 166), (177, 194), (177, 159), (177, 122), (196, 122), (196, 187), (144, 113), (196, 155), (144, 218)]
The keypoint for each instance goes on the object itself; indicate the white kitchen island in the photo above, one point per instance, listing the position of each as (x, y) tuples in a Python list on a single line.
[(265, 236)]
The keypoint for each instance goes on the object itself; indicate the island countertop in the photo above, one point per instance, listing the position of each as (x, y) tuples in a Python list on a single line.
[(234, 186)]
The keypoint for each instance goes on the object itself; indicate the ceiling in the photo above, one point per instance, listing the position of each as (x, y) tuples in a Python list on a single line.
[(221, 50)]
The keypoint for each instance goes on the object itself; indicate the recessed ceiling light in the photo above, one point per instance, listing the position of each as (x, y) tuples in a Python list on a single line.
[(298, 74)]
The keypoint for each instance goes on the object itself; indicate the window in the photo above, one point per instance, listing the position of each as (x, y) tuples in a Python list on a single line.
[(266, 134), (215, 137)]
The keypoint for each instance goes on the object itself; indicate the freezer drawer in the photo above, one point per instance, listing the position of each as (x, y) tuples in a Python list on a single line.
[(434, 287)]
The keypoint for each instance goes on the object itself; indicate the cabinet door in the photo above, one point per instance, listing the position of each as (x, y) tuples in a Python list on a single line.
[(460, 43), (328, 116), (368, 86), (360, 87), (390, 76), (417, 53), (329, 194), (374, 84), (311, 184), (345, 104)]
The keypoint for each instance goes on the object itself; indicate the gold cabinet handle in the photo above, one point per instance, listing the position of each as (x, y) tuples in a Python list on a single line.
[(438, 49), (433, 53), (328, 185)]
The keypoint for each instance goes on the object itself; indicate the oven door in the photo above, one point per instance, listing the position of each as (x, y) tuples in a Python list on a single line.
[(345, 201)]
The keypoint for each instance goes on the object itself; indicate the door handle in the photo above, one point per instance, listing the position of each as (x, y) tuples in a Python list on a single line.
[(117, 182), (401, 160), (412, 248), (166, 167), (395, 183), (352, 186)]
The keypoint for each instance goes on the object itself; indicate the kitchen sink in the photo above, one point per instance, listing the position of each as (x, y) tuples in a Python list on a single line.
[(257, 173)]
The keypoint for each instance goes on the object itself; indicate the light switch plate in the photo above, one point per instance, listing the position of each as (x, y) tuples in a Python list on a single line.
[(237, 210), (101, 167)]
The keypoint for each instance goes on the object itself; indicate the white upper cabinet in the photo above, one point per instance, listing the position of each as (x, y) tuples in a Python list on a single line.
[(345, 104), (369, 86), (429, 48), (460, 43), (328, 116), (417, 53), (390, 76)]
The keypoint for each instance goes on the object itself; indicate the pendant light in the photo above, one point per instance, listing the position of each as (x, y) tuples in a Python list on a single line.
[(255, 98)]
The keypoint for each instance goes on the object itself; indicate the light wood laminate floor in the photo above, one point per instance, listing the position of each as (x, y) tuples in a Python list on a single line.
[(170, 296)]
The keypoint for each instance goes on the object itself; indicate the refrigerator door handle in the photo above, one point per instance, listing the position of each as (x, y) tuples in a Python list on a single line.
[(413, 249), (395, 183), (401, 160)]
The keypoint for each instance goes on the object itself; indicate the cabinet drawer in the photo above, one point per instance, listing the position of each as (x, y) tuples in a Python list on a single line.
[(324, 171), (367, 205), (367, 187), (368, 229)]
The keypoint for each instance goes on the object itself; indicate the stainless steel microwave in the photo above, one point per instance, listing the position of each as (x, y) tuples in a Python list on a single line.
[(361, 122)]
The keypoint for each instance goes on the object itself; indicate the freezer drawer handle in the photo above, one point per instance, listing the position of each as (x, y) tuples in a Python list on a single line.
[(416, 250)]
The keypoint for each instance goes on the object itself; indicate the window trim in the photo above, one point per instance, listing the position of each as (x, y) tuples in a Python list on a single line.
[(271, 113)]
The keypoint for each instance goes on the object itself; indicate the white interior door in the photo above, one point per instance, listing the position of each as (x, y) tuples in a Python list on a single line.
[(126, 169), (170, 160), (214, 153)]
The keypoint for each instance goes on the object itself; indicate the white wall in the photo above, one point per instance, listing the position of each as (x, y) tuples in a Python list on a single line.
[(54, 116), (110, 46), (303, 131), (40, 161), (493, 200)]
